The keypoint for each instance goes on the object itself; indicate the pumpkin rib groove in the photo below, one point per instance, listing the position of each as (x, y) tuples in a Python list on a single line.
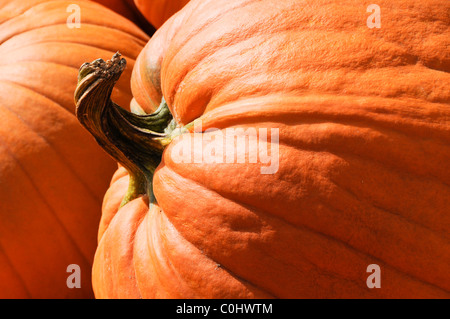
[(46, 203), (90, 191), (151, 247), (402, 94), (14, 269), (238, 38), (133, 249), (130, 248), (304, 227), (256, 114), (140, 40), (104, 47), (74, 43), (194, 69)]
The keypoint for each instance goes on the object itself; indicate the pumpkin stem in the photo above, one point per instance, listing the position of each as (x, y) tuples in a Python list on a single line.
[(134, 140)]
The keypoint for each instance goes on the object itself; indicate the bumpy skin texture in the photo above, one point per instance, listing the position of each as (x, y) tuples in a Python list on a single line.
[(364, 170), (52, 174)]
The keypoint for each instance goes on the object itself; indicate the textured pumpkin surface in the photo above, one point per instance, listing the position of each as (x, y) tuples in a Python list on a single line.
[(52, 174), (364, 156), (158, 11)]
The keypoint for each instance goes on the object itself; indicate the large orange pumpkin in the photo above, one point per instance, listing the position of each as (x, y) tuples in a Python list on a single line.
[(363, 118), (52, 175)]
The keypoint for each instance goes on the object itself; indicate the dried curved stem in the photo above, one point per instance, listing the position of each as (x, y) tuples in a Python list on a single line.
[(135, 141)]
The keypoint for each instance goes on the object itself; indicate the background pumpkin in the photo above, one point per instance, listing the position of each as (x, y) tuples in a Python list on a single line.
[(143, 12), (158, 11), (363, 118), (52, 175), (128, 9)]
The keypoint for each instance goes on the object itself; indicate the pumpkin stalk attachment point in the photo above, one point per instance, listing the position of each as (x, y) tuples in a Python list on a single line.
[(135, 141)]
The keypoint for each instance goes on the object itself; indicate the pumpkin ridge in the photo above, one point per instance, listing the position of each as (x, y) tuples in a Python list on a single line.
[(138, 221), (245, 35), (153, 246), (102, 46)]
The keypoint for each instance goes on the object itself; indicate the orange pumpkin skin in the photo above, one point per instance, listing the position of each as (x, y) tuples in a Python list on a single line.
[(364, 170), (52, 174)]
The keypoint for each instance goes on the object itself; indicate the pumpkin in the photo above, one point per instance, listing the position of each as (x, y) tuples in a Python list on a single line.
[(52, 175), (143, 12), (128, 9), (363, 176), (158, 11)]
